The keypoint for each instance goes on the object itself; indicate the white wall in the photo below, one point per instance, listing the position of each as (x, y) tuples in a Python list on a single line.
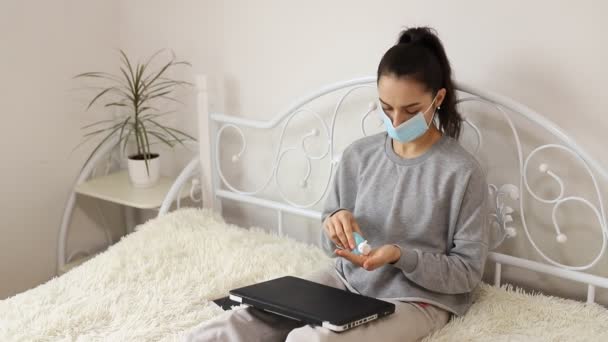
[(45, 43)]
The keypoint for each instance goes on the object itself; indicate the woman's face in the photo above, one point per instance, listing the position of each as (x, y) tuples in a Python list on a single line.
[(402, 98)]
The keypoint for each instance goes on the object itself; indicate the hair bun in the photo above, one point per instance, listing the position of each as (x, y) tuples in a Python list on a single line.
[(416, 35)]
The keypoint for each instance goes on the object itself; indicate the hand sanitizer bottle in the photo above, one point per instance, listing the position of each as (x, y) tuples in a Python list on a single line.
[(361, 245)]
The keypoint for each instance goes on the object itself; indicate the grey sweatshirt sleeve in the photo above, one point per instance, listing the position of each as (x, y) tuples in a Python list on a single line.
[(461, 269), (341, 195)]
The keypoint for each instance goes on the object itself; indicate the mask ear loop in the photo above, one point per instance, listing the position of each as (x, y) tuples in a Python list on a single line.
[(433, 117), (434, 112)]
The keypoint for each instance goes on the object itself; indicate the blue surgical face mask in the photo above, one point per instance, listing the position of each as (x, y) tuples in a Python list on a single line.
[(410, 130)]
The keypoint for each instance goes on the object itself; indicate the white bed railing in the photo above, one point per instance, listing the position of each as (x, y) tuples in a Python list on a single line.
[(219, 187)]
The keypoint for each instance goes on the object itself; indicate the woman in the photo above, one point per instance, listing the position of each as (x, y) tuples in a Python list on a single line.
[(418, 198)]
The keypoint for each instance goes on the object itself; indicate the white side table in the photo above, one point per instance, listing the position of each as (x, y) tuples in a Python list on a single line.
[(116, 188)]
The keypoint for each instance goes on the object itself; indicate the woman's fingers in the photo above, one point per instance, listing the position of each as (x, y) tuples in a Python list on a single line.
[(369, 263), (341, 235), (372, 263), (355, 259), (340, 228), (348, 230), (356, 226), (379, 257), (331, 232)]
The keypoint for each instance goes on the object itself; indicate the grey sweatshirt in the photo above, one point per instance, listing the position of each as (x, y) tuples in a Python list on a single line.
[(433, 207)]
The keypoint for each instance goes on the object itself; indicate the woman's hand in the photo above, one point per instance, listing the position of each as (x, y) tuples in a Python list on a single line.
[(340, 226), (376, 258)]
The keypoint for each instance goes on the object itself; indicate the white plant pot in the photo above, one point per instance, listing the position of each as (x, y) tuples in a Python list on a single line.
[(139, 176)]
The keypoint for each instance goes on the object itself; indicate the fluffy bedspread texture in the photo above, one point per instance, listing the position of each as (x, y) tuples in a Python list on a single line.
[(157, 284)]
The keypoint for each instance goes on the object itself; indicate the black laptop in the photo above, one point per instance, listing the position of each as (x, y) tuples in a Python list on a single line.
[(312, 303)]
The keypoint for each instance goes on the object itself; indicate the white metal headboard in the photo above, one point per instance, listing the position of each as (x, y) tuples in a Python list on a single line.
[(221, 188)]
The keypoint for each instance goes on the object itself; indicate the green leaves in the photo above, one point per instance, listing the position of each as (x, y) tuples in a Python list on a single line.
[(134, 90)]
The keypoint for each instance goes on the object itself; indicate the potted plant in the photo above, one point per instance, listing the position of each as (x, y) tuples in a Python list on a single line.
[(135, 91)]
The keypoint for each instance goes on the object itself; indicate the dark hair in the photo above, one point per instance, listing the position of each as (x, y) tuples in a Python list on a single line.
[(419, 55)]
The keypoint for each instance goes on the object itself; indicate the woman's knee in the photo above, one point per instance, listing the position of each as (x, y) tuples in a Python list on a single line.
[(309, 333)]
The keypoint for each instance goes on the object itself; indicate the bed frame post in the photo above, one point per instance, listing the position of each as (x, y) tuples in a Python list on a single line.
[(590, 294), (280, 222), (207, 132), (497, 272)]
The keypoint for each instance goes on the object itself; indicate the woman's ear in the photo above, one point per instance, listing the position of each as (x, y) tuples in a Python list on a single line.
[(440, 97)]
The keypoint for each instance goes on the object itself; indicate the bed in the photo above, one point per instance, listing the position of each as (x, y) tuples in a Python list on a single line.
[(158, 283)]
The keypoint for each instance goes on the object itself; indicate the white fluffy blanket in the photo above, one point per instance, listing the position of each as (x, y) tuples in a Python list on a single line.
[(157, 283)]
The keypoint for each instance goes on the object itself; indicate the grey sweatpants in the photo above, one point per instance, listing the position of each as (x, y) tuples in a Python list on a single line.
[(410, 322)]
